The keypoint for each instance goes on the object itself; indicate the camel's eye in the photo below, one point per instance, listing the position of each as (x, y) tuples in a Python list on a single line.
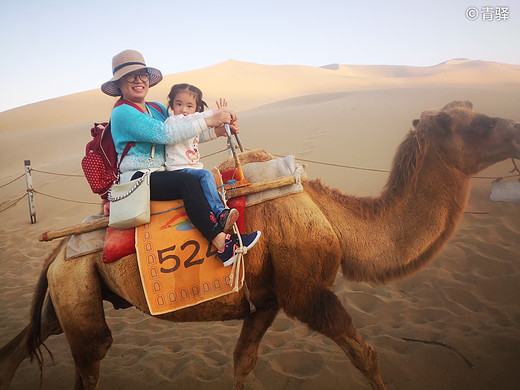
[(485, 122), (481, 128)]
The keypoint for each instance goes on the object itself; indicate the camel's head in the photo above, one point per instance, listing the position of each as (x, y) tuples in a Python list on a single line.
[(469, 140)]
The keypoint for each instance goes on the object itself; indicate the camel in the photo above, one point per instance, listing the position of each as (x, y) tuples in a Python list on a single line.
[(306, 237)]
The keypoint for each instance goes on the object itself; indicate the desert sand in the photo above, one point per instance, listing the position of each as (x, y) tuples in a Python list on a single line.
[(463, 308)]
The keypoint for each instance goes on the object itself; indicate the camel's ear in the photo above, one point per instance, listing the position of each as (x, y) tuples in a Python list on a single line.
[(443, 121), (415, 122), (458, 104)]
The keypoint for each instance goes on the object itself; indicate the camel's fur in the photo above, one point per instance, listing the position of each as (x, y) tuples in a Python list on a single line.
[(305, 238)]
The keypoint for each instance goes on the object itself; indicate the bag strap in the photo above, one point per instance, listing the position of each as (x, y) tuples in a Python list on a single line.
[(155, 105), (125, 151), (137, 182)]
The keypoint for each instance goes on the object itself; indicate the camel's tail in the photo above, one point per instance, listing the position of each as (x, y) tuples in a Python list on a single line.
[(34, 340)]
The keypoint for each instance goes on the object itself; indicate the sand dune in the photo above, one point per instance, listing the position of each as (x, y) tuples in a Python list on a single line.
[(248, 85), (349, 115)]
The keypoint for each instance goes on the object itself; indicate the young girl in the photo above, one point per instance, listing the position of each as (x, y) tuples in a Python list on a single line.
[(184, 100)]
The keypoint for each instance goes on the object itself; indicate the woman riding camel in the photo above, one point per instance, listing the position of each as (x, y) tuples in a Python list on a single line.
[(135, 120)]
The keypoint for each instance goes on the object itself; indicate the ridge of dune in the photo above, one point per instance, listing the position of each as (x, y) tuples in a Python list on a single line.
[(248, 85), (456, 70)]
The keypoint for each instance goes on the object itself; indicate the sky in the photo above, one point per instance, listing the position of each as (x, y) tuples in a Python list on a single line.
[(52, 48)]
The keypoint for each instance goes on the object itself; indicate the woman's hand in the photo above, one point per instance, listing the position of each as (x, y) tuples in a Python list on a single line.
[(223, 115), (230, 112), (221, 131), (233, 126)]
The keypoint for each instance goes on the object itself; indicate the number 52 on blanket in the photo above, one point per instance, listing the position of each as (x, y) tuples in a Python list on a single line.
[(178, 267)]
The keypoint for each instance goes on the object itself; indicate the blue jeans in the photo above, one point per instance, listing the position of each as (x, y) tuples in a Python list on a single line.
[(209, 188)]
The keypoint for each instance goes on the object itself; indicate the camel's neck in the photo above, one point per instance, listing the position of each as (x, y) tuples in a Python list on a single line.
[(394, 235)]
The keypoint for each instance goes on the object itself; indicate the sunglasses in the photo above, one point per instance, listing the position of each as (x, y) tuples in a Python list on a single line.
[(144, 76)]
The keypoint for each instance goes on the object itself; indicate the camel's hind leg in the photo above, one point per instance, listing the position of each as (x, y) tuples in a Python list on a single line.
[(43, 323), (323, 312), (246, 350), (14, 352), (75, 289)]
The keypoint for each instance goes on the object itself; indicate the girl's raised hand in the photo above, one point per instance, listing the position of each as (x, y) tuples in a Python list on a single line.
[(222, 107), (221, 103)]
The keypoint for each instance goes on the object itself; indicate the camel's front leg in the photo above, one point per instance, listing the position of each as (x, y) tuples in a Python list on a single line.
[(246, 350), (363, 356), (323, 312)]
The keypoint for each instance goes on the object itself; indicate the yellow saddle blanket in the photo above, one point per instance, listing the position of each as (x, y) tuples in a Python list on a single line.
[(178, 266)]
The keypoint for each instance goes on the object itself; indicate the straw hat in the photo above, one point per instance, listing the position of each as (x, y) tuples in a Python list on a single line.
[(128, 61)]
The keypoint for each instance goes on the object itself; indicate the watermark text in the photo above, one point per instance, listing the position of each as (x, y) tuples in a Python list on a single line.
[(488, 13)]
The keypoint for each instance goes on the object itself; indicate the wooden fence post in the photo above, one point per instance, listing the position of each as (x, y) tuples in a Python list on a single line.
[(30, 190)]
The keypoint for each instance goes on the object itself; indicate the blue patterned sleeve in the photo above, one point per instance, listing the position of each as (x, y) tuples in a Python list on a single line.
[(128, 124)]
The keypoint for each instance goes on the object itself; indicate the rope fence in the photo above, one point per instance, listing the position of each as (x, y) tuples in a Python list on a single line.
[(64, 199), (56, 173), (10, 203), (387, 171), (12, 181), (30, 190), (338, 165)]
